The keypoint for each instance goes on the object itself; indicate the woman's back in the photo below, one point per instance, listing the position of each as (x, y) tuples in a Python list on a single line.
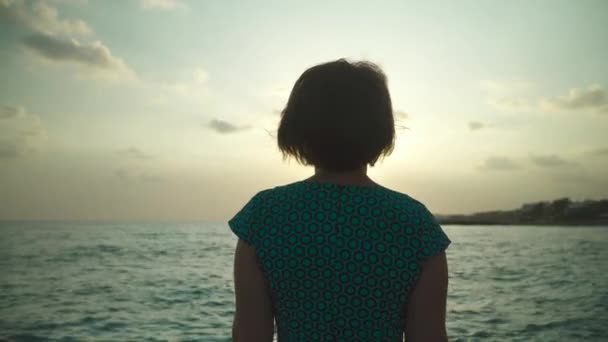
[(340, 260)]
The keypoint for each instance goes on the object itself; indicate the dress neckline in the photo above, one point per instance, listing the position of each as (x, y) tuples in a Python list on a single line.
[(338, 185)]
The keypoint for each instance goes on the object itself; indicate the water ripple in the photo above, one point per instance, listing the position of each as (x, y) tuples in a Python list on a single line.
[(172, 282)]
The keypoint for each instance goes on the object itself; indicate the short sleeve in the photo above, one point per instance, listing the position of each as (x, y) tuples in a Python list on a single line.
[(432, 237), (246, 223)]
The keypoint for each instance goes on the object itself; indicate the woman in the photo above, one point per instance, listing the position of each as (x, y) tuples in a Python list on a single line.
[(338, 257)]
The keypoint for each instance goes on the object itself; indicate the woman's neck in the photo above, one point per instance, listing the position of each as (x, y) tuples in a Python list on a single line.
[(355, 177)]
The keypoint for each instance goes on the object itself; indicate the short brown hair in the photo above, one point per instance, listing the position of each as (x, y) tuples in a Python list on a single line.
[(339, 117)]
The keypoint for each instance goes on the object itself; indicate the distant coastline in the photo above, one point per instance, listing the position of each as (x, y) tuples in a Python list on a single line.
[(561, 211)]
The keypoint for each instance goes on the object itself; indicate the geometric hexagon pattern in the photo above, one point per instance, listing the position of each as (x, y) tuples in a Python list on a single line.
[(340, 260)]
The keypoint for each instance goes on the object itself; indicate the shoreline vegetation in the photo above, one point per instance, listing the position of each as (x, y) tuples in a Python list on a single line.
[(562, 211)]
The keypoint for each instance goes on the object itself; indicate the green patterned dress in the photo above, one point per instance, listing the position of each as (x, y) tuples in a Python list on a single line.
[(340, 260)]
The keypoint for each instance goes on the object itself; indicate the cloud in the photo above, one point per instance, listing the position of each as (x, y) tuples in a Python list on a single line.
[(150, 178), (192, 85), (161, 4), (122, 174), (506, 86), (128, 176), (279, 92), (72, 2), (20, 132), (511, 104), (508, 95), (9, 149), (94, 56), (40, 17), (53, 39), (594, 97), (134, 153), (513, 96), (499, 163), (399, 114), (225, 127), (8, 112), (200, 75), (599, 152), (550, 161), (476, 125)]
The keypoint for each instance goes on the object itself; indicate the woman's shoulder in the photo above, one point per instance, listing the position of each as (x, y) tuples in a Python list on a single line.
[(278, 189), (404, 200), (276, 193)]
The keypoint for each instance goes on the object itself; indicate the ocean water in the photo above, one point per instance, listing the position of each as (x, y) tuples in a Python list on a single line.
[(173, 282)]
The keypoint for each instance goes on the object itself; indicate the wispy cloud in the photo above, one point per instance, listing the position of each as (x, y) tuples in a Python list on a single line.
[(400, 114), (499, 163), (20, 132), (9, 149), (512, 86), (94, 55), (598, 152), (8, 111), (476, 125), (125, 175), (40, 17), (122, 174), (192, 85), (512, 103), (150, 178), (514, 96), (72, 2), (225, 127), (594, 98), (161, 4), (279, 92), (508, 95), (134, 153), (195, 85), (550, 161)]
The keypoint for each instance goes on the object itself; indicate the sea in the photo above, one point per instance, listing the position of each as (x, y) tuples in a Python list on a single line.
[(83, 281)]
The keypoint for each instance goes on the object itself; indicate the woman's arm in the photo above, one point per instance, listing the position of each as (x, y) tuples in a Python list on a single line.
[(253, 320), (425, 312)]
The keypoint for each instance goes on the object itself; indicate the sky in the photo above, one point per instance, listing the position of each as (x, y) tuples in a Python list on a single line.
[(168, 109)]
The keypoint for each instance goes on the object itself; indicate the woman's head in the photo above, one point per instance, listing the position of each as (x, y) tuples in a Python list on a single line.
[(338, 117)]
